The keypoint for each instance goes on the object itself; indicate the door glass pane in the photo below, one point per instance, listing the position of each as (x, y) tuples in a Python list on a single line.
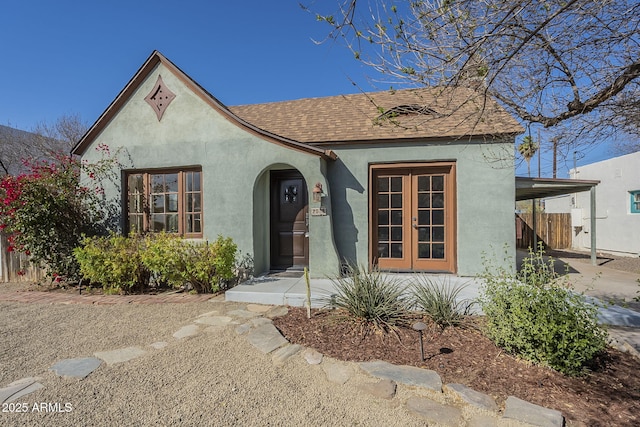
[(383, 250), (437, 183), (424, 183), (383, 234), (423, 201), (424, 234), (438, 251), (424, 217), (396, 217), (437, 217), (396, 184), (383, 217), (396, 234), (396, 200), (383, 184), (383, 201), (438, 234), (437, 200), (396, 250), (424, 250)]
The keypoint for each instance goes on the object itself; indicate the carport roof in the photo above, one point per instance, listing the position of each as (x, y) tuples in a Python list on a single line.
[(539, 188)]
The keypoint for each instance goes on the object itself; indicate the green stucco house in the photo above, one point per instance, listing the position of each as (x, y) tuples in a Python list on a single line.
[(408, 180)]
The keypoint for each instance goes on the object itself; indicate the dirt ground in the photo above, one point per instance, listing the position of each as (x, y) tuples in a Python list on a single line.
[(608, 395)]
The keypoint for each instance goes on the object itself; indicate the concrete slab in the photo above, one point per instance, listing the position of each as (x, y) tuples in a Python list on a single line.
[(120, 355), (19, 388), (408, 375), (76, 368)]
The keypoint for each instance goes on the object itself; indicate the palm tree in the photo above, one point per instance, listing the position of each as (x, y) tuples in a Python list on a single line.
[(527, 150)]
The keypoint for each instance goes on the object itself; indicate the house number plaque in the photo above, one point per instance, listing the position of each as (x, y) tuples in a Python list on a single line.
[(321, 211)]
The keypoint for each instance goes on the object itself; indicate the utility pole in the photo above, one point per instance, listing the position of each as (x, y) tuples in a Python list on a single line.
[(555, 155)]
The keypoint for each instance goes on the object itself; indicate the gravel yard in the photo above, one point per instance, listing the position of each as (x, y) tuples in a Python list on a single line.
[(213, 378)]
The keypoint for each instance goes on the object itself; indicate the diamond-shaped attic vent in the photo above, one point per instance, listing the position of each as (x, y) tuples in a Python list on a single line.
[(160, 97)]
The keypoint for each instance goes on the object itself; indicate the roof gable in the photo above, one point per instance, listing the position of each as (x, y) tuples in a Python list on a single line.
[(140, 76)]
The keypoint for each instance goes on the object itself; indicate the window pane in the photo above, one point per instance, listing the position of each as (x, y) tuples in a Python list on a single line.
[(157, 223), (158, 204), (171, 182), (383, 201), (196, 203), (196, 181), (135, 184), (172, 223), (157, 183), (172, 202), (189, 207)]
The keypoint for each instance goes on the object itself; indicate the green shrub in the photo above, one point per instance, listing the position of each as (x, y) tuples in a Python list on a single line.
[(371, 298), (113, 262), (121, 263), (536, 315), (438, 298), (208, 267)]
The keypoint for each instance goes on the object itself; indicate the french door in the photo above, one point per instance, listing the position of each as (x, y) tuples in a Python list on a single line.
[(413, 217)]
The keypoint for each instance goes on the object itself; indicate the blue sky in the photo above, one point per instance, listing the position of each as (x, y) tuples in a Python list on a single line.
[(73, 57)]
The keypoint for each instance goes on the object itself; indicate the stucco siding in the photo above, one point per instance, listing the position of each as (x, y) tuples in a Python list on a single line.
[(485, 194), (191, 133)]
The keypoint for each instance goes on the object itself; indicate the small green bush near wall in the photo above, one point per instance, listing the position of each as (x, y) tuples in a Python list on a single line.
[(535, 314), (113, 262), (126, 263)]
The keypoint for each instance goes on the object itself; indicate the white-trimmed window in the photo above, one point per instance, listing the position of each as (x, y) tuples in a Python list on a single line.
[(165, 200), (634, 206)]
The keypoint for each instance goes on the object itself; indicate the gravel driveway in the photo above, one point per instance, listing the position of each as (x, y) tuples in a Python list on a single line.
[(213, 378)]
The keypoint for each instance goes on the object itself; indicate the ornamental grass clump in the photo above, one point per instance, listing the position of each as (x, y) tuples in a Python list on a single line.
[(536, 315), (438, 298), (370, 298)]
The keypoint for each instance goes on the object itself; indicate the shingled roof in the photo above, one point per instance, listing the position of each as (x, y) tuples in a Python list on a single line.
[(410, 114)]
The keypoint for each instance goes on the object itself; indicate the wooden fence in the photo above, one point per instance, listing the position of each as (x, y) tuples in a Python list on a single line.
[(15, 267), (553, 230)]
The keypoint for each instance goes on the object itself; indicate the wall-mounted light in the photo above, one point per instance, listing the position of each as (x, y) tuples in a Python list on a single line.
[(317, 192)]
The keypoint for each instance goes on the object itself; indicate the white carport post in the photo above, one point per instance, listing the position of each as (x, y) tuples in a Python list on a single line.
[(594, 258)]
